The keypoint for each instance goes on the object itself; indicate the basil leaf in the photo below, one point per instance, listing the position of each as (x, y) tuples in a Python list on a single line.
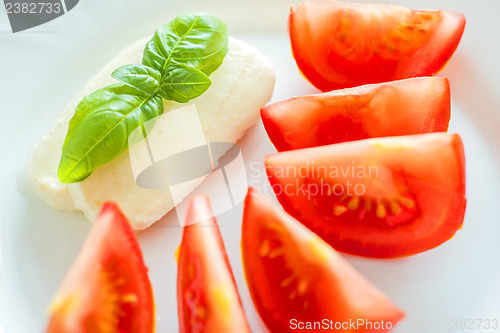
[(196, 40), (99, 131), (183, 83), (143, 78), (176, 64)]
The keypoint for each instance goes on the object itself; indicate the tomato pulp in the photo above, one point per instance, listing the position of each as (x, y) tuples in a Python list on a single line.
[(107, 288), (340, 45), (295, 278), (385, 197), (411, 106), (207, 297)]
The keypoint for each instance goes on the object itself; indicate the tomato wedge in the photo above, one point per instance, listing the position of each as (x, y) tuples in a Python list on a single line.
[(107, 288), (295, 278), (385, 197), (411, 106), (207, 297), (340, 45)]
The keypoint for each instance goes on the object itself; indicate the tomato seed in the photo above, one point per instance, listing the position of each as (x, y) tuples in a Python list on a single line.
[(129, 298), (395, 208), (353, 204), (339, 209), (302, 287), (286, 282), (381, 212), (265, 247), (407, 202)]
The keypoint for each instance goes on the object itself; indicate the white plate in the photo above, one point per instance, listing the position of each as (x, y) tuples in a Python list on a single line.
[(42, 69)]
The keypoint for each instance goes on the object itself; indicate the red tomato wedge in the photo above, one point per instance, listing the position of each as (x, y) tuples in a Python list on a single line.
[(294, 277), (107, 288), (207, 297), (340, 45), (385, 197), (411, 106)]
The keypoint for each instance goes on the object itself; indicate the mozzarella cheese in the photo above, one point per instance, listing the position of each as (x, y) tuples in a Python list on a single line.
[(240, 87)]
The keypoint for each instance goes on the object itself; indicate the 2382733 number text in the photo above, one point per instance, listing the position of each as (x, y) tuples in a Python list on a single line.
[(33, 8)]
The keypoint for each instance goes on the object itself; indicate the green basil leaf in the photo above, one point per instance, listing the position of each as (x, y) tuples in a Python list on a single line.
[(99, 131), (196, 40), (183, 83), (143, 78), (176, 64)]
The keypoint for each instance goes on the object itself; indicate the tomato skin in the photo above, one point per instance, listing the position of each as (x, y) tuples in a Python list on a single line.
[(430, 168), (207, 297), (411, 106), (276, 247), (107, 287), (339, 45)]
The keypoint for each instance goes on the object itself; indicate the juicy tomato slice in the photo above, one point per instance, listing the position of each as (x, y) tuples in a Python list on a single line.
[(384, 197), (411, 106), (293, 274), (107, 288), (207, 297), (340, 45)]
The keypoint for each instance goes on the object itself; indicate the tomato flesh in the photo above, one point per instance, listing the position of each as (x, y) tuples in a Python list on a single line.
[(385, 197), (207, 297), (340, 45), (107, 288), (293, 274), (411, 106)]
